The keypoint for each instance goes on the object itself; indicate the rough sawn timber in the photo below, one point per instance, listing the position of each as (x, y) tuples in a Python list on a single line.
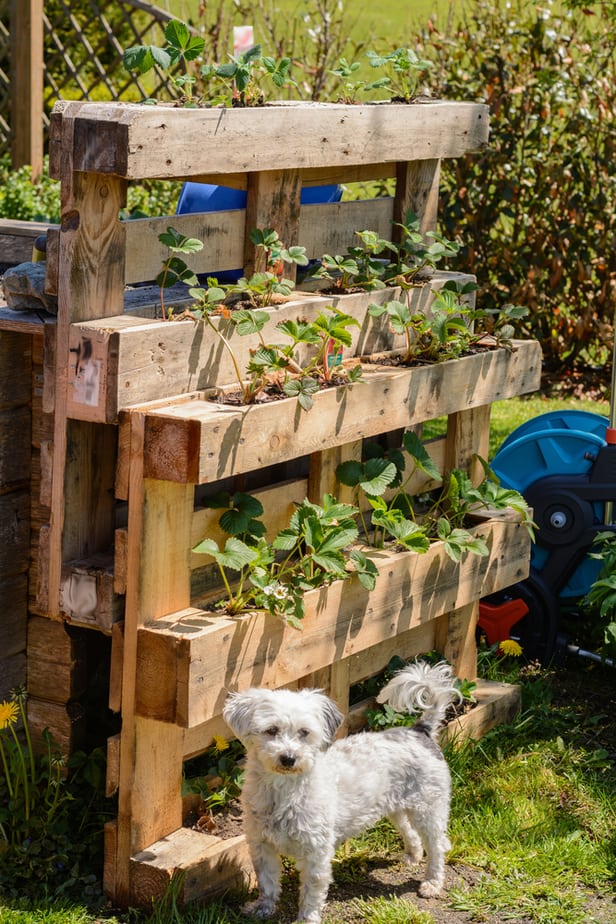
[(197, 440), (135, 141)]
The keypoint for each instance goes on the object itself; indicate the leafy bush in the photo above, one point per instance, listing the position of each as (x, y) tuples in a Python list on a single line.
[(536, 211)]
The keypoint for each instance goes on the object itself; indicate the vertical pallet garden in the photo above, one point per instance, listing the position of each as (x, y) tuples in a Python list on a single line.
[(135, 442)]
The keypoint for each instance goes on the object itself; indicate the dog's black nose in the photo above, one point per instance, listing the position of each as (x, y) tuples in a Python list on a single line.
[(287, 761)]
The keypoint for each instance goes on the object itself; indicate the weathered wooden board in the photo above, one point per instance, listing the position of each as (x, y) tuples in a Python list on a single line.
[(186, 662), (197, 440), (123, 361), (135, 141), (17, 239)]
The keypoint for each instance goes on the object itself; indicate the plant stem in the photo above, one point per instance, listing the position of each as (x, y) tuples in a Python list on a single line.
[(6, 770), (24, 774)]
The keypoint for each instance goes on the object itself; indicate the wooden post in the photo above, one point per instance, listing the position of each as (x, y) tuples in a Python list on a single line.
[(27, 84), (417, 187), (273, 202)]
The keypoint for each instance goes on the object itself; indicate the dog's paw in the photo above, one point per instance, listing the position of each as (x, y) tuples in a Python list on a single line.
[(430, 888), (414, 855), (259, 908)]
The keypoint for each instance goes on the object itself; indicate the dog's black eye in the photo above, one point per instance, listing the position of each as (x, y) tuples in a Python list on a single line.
[(303, 733), (272, 731)]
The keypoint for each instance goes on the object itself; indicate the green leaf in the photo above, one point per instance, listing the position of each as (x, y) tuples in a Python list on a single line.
[(421, 457), (378, 475), (350, 472)]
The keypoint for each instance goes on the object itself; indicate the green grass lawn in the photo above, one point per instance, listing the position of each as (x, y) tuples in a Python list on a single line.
[(394, 23)]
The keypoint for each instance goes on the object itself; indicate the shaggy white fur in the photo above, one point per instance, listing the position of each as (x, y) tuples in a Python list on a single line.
[(305, 793)]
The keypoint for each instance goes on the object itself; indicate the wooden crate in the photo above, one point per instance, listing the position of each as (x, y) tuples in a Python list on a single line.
[(134, 441)]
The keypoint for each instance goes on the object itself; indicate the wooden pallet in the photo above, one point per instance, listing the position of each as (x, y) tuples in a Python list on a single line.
[(127, 449)]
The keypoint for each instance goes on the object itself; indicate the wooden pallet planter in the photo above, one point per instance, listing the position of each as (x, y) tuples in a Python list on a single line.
[(134, 440), (128, 360), (187, 660), (197, 440)]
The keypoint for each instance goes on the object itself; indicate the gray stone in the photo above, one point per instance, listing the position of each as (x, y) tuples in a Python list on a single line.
[(24, 289)]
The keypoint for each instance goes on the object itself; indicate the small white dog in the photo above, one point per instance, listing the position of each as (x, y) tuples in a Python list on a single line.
[(305, 794)]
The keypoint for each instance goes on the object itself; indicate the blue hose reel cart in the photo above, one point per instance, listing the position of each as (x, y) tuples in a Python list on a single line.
[(564, 464)]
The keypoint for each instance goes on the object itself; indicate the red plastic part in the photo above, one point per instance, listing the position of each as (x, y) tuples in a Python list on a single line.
[(497, 619), (610, 436)]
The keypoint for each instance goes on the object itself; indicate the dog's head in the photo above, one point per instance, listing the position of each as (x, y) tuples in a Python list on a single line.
[(284, 730)]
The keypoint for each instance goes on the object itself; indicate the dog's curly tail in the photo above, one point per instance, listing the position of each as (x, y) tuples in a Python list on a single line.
[(425, 688)]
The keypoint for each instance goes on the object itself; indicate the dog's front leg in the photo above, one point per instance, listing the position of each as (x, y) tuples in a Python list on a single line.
[(315, 877), (266, 862)]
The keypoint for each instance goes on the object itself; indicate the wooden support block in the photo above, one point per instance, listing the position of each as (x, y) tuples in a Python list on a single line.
[(417, 191), (57, 666), (117, 667), (468, 436), (14, 532), (65, 722), (455, 639), (120, 553), (13, 613), (12, 673), (113, 766), (211, 866)]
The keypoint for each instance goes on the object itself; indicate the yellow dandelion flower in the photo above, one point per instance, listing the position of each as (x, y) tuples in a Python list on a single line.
[(9, 713), (220, 743), (510, 647)]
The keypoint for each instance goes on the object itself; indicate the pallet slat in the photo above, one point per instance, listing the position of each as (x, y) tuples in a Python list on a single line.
[(196, 440)]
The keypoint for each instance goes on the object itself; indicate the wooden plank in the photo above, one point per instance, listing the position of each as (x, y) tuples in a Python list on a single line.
[(187, 661), (197, 440), (90, 284), (66, 722), (132, 361), (113, 766), (163, 142), (17, 239), (157, 577), (497, 703), (327, 228)]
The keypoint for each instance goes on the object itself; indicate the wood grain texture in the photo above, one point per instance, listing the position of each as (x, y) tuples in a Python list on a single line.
[(200, 441), (158, 141), (132, 360)]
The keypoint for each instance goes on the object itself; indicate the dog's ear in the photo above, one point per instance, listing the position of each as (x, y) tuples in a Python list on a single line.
[(238, 712), (332, 718)]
